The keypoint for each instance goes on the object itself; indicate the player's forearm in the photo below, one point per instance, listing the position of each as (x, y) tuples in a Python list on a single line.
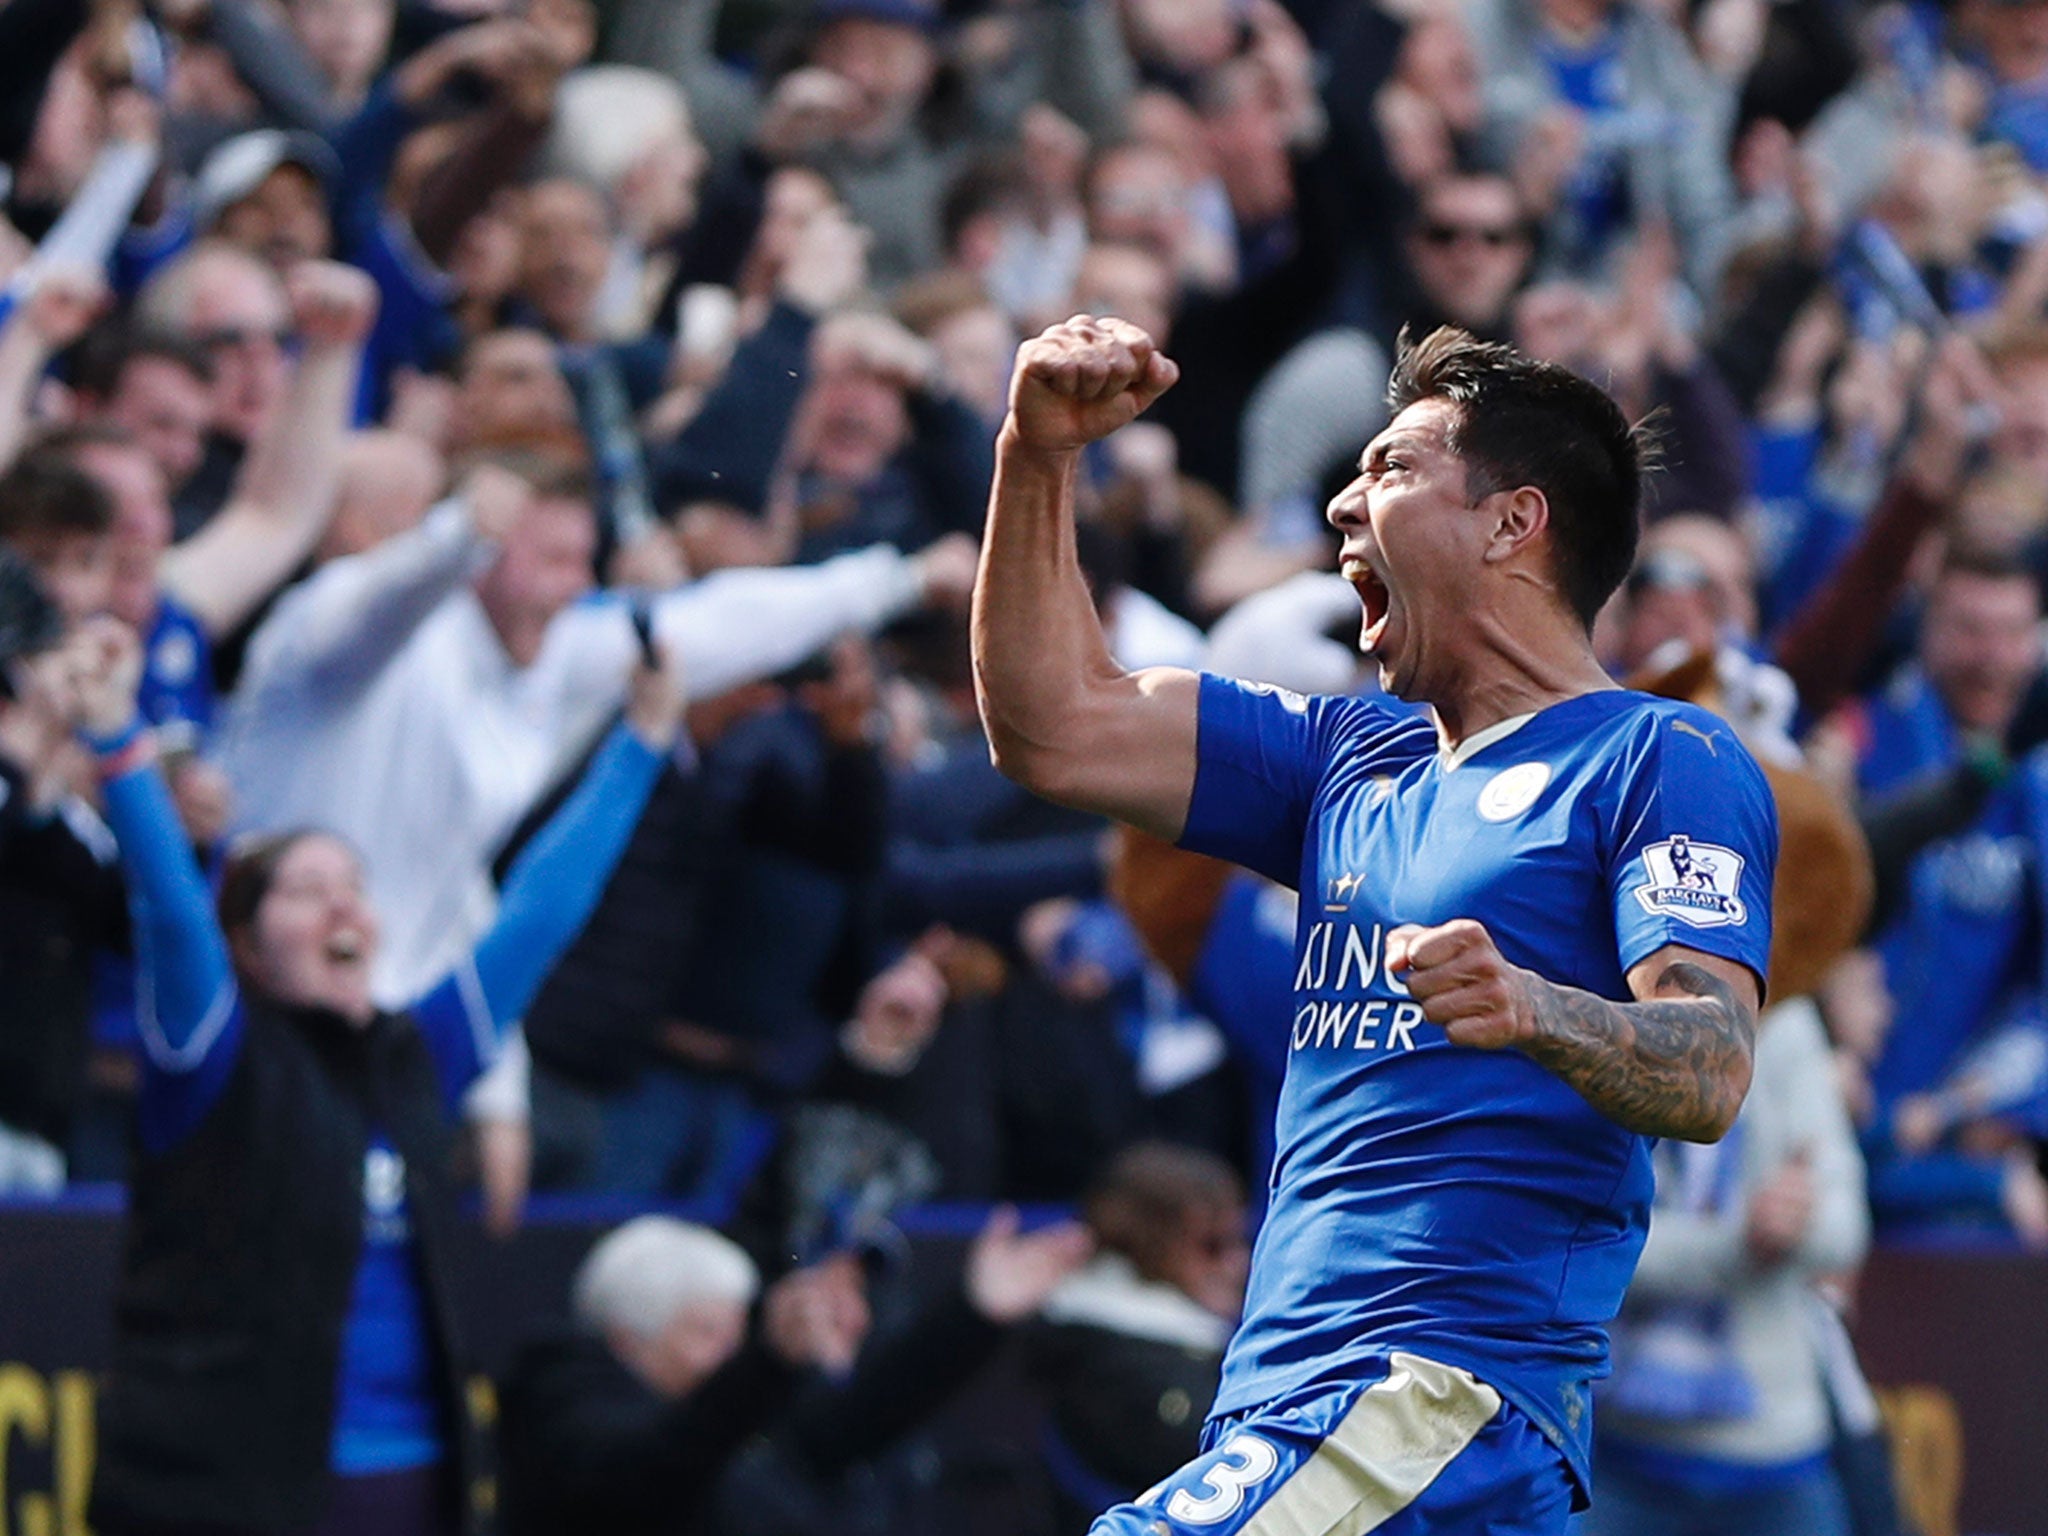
[(1038, 645), (1676, 1064)]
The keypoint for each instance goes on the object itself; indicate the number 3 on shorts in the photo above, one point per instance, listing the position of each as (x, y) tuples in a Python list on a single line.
[(1242, 1461)]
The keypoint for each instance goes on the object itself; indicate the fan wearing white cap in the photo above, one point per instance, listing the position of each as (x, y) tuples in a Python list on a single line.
[(268, 192)]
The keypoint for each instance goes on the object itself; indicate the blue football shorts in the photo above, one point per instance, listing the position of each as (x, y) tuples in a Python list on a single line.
[(1427, 1450)]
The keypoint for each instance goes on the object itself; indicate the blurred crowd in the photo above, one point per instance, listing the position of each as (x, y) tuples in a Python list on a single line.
[(415, 379)]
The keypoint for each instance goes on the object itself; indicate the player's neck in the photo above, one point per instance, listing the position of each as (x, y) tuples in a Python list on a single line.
[(1515, 673)]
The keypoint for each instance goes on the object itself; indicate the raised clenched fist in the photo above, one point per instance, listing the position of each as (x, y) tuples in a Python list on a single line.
[(333, 304), (1081, 380)]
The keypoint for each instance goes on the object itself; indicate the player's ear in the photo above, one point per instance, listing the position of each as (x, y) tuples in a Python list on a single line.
[(1520, 516)]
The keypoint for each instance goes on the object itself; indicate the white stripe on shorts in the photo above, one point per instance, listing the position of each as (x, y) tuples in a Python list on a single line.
[(1397, 1437)]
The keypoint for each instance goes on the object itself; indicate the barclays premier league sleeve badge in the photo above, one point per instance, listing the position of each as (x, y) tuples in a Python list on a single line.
[(1696, 883)]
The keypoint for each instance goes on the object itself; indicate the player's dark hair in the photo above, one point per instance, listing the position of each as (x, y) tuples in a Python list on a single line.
[(45, 495), (1521, 422)]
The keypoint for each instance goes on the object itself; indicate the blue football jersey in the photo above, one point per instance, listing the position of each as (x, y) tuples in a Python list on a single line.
[(1464, 1204)]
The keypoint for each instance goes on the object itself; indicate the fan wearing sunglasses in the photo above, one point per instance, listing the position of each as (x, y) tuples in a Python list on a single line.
[(1469, 250)]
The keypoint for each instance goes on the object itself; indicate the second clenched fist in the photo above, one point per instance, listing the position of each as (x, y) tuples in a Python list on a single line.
[(333, 304), (1080, 380), (1463, 982)]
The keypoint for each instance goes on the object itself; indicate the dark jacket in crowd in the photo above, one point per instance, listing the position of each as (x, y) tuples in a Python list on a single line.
[(587, 1446), (778, 961), (597, 1019), (242, 1246), (1125, 1410), (973, 849), (61, 897), (207, 488), (1021, 1096)]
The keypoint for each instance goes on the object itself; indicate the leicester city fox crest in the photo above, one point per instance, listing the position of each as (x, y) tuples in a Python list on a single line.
[(1697, 883)]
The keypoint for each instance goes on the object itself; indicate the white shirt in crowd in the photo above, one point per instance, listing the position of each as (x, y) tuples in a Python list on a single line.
[(379, 704)]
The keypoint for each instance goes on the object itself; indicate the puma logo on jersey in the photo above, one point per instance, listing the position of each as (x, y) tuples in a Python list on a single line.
[(1692, 730)]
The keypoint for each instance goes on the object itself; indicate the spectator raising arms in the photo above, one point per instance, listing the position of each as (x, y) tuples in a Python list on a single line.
[(288, 1343)]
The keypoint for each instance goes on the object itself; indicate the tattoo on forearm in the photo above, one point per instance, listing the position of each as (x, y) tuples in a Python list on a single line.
[(1675, 1065)]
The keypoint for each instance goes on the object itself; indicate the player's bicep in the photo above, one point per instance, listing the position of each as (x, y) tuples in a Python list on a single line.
[(1128, 751)]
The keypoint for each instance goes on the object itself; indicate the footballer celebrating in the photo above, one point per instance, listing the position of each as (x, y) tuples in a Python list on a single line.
[(1530, 939)]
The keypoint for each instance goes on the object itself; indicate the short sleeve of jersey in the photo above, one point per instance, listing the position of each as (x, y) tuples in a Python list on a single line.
[(1261, 752), (1697, 845)]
